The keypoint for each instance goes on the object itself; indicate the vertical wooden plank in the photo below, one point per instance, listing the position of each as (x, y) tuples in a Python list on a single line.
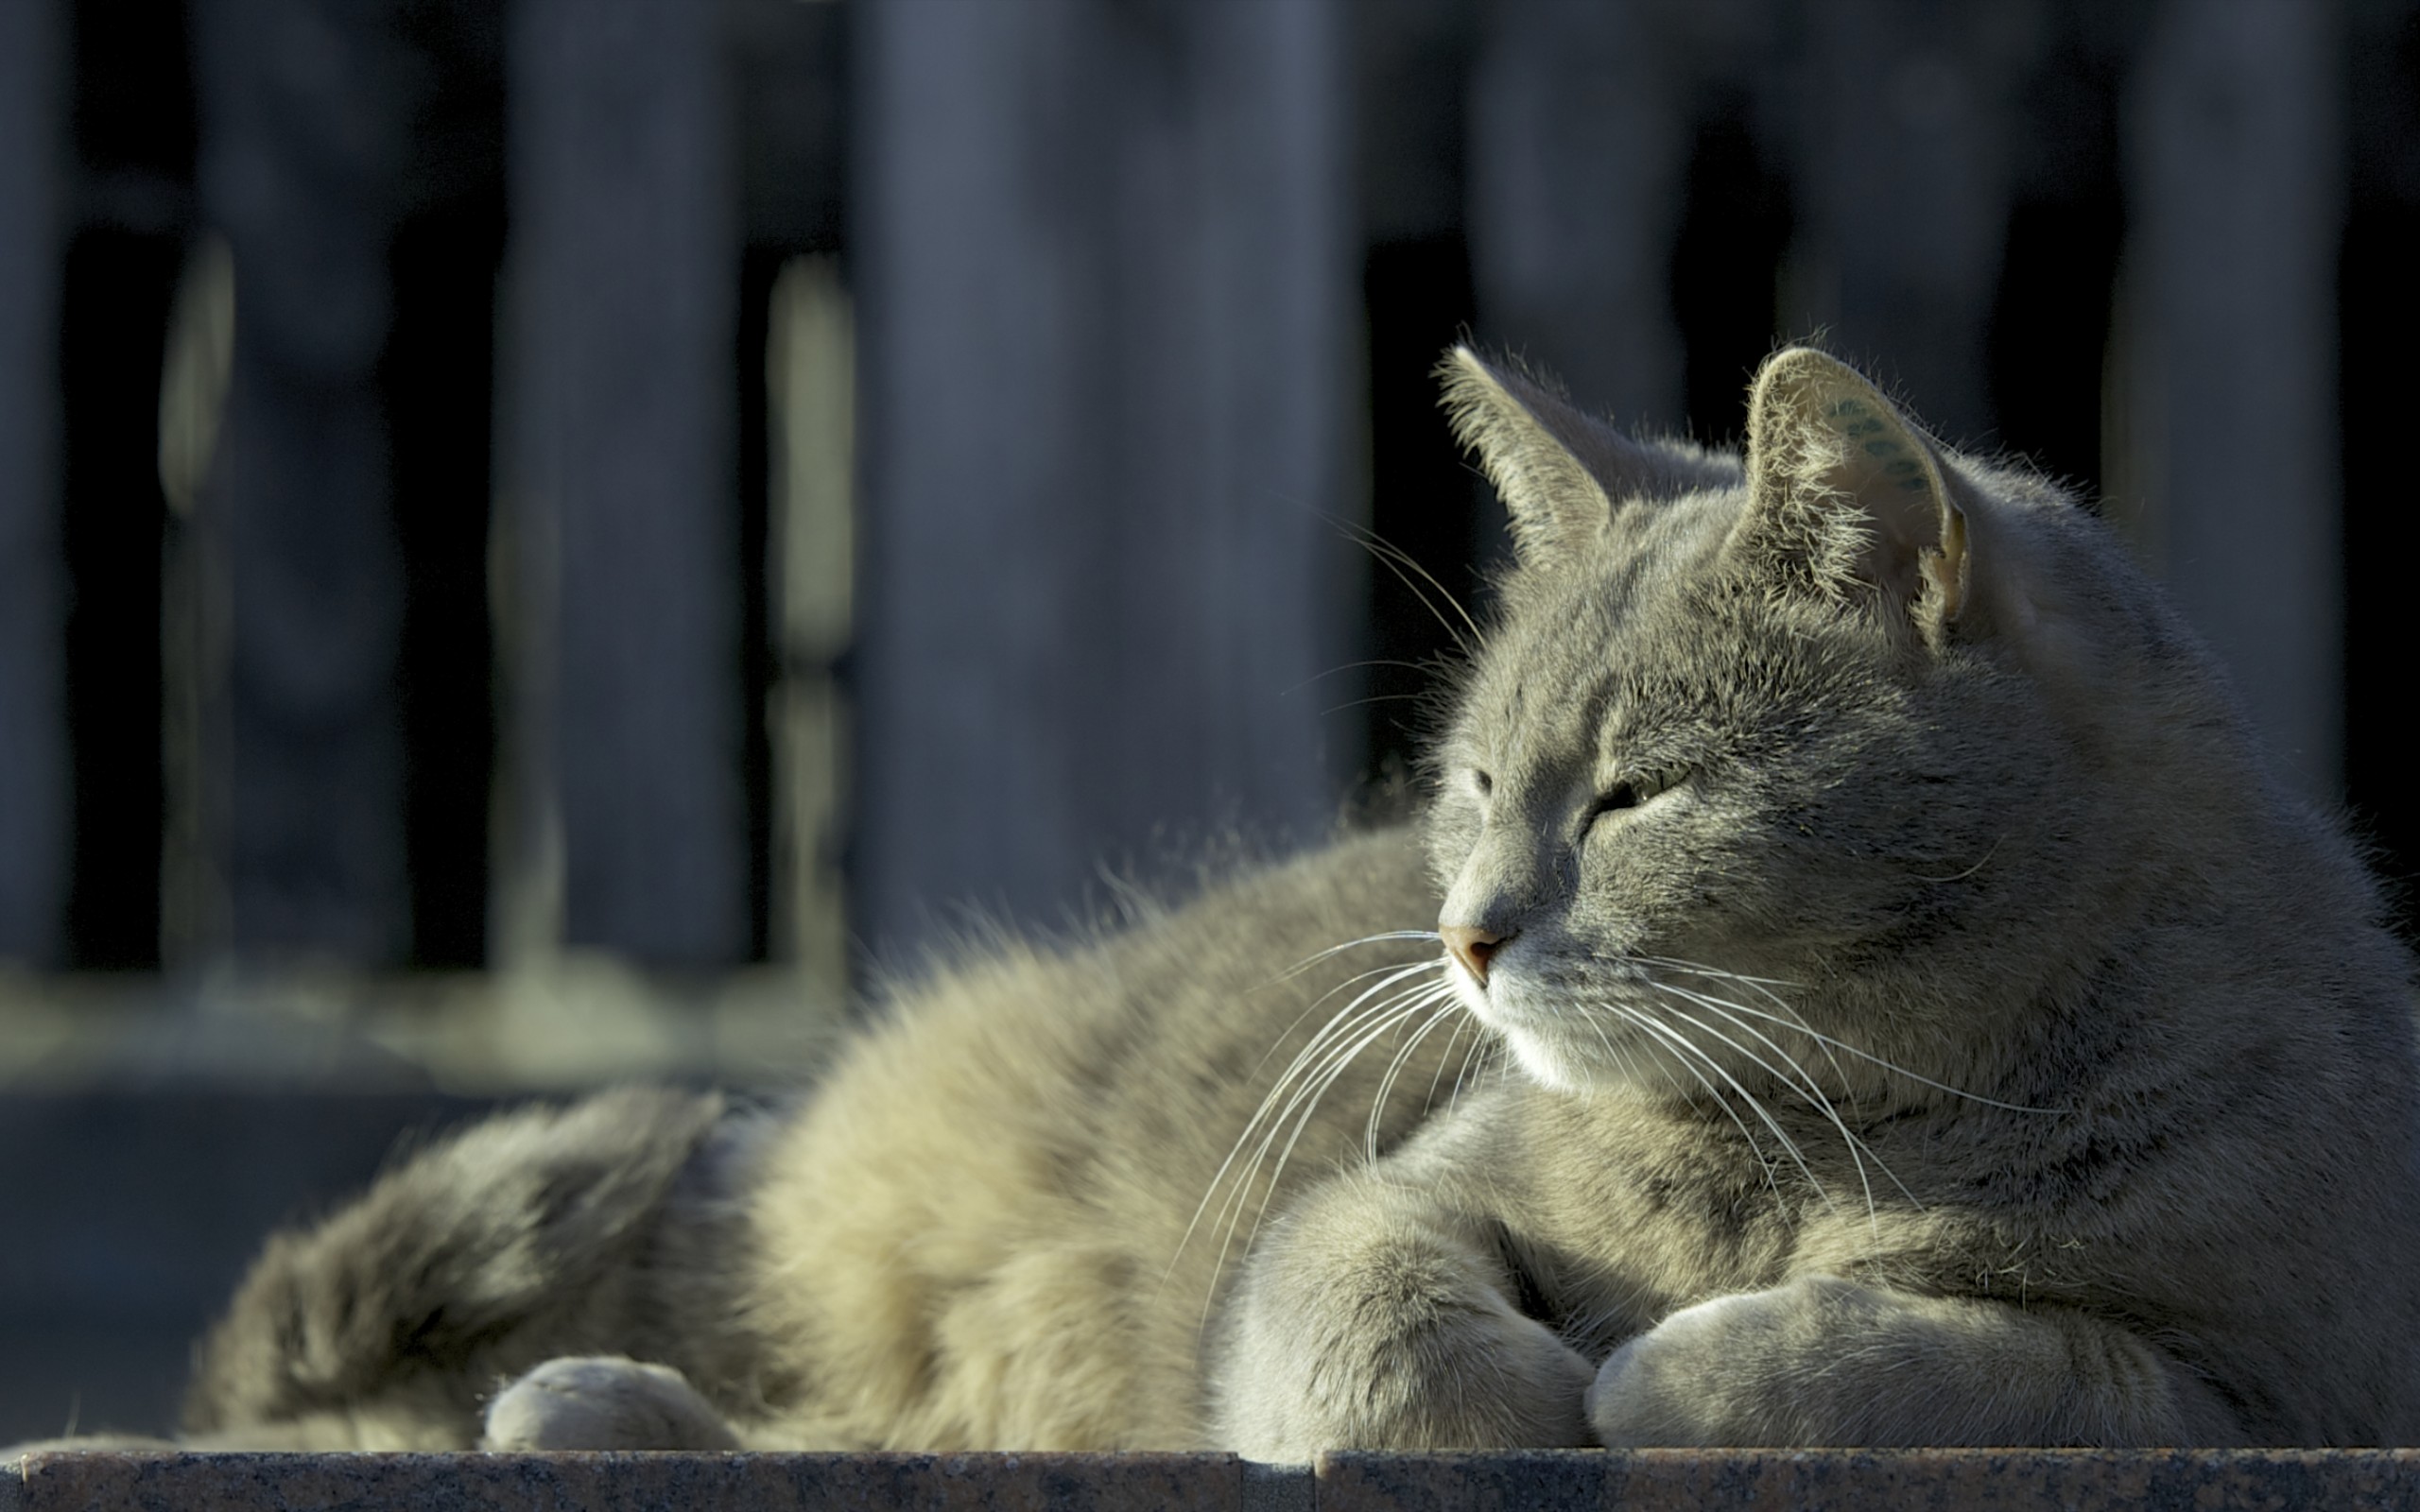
[(33, 766), (810, 380), (1904, 113), (1245, 568), (624, 270), (2236, 167), (1105, 275), (197, 366), (1576, 151), (300, 144)]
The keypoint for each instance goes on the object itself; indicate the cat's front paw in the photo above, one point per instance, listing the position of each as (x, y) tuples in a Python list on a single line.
[(1722, 1373), (1472, 1373), (603, 1403), (1374, 1316)]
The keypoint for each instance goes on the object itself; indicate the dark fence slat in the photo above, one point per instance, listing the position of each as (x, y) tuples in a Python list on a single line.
[(1107, 268), (1578, 146), (1903, 116), (298, 503), (2236, 161), (624, 285), (33, 763)]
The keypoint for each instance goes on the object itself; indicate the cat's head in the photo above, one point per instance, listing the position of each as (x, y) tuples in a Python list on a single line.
[(1835, 751)]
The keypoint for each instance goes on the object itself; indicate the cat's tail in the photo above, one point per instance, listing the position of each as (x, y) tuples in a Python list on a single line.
[(530, 1235)]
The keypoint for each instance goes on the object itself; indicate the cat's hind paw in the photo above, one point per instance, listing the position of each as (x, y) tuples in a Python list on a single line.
[(603, 1403)]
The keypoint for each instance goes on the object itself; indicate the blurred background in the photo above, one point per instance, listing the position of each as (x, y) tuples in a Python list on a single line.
[(545, 541)]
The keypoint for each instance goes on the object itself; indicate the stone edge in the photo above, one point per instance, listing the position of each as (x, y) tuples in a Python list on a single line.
[(1545, 1481)]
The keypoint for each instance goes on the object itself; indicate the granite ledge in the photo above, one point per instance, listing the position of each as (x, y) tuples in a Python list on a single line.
[(1648, 1481)]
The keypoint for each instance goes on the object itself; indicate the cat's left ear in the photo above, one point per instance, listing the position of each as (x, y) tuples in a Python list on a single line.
[(1564, 475), (1848, 498)]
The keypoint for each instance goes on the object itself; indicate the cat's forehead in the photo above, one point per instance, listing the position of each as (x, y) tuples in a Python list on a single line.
[(1591, 647)]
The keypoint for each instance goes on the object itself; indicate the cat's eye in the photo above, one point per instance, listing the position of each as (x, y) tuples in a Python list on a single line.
[(1485, 784), (1627, 794), (1621, 796)]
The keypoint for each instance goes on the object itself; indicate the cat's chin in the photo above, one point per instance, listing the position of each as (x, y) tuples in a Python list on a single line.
[(1578, 1070), (1533, 1038), (1536, 1047), (1547, 1064)]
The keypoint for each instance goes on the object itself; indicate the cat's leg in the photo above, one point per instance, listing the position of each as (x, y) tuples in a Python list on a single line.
[(604, 1402), (1825, 1361), (1374, 1317)]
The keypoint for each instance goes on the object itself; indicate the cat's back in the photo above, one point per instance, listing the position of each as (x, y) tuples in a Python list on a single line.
[(1022, 1145)]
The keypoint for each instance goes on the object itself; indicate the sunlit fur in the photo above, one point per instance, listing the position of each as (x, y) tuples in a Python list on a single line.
[(1953, 1034), (1917, 1015)]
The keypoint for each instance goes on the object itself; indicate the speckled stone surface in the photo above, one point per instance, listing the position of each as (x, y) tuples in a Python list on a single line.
[(1862, 1480), (1652, 1481), (621, 1483)]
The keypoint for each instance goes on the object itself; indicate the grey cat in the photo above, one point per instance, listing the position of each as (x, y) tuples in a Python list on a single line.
[(1884, 998)]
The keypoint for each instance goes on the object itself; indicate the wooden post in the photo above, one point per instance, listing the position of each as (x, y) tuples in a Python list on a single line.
[(1904, 194), (2236, 163), (300, 128), (623, 286), (1106, 265), (1577, 152), (33, 760), (810, 380)]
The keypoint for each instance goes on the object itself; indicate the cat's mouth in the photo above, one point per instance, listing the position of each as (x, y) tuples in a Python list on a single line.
[(1599, 1024), (1532, 1023), (1531, 983)]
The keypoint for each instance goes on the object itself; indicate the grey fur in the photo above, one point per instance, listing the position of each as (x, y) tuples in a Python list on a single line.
[(535, 1234), (1923, 1018), (1912, 735)]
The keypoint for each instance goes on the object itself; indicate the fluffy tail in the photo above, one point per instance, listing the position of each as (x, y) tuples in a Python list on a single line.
[(530, 1235)]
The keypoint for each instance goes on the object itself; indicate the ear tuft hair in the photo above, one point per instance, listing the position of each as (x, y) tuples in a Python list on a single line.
[(1848, 496), (1563, 475)]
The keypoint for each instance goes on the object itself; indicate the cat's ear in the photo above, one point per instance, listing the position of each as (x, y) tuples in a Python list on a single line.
[(1563, 475), (1848, 498)]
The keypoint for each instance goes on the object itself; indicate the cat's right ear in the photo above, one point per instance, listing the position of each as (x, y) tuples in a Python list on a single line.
[(1563, 475), (1848, 499)]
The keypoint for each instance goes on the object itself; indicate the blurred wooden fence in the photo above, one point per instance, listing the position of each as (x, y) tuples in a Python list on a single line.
[(1141, 293)]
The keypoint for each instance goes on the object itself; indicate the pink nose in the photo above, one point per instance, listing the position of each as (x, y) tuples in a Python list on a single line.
[(1472, 946)]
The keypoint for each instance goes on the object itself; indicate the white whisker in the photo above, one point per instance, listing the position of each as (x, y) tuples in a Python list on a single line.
[(1403, 564), (1333, 950), (1387, 1082), (1307, 1064), (1685, 1052), (1434, 1000), (1434, 964), (1701, 969), (1795, 1022), (1681, 1041), (1444, 1057), (1482, 1049), (1800, 1025), (1961, 876), (1796, 1079)]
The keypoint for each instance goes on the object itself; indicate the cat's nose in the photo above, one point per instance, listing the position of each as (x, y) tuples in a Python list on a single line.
[(1472, 946)]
